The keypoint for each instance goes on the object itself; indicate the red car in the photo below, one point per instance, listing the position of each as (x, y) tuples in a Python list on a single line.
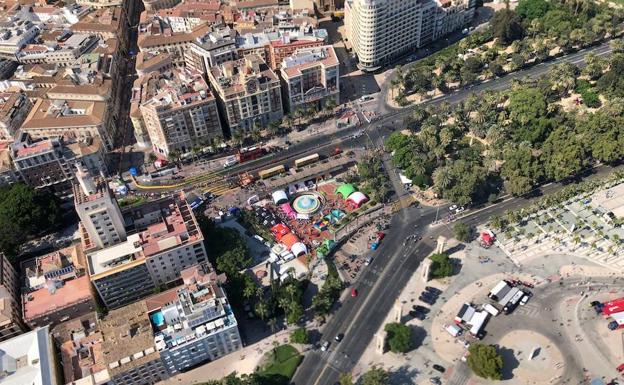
[(354, 292), (380, 235), (620, 368)]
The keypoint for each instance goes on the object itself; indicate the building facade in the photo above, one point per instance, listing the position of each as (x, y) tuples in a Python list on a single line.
[(14, 107), (194, 322), (177, 110), (248, 92), (311, 78), (11, 323), (29, 359), (56, 288), (381, 30)]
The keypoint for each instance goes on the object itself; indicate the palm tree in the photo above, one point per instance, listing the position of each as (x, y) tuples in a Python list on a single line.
[(442, 178), (329, 106), (272, 322), (262, 309), (256, 134), (238, 137)]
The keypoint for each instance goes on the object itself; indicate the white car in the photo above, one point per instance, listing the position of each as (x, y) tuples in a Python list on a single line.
[(524, 300), (368, 261), (453, 208), (324, 346)]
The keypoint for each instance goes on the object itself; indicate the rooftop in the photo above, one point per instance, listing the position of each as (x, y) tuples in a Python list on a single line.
[(116, 343), (175, 88), (55, 281), (118, 257), (48, 114), (234, 76), (198, 307), (305, 58), (28, 359)]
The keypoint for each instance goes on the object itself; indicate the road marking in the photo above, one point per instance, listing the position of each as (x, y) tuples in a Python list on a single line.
[(357, 315)]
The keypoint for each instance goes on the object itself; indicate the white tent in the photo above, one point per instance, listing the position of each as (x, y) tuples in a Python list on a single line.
[(299, 249), (357, 198), (477, 322), (279, 197)]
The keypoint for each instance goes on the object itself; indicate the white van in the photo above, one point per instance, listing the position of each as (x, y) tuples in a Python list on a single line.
[(230, 161), (453, 330), (491, 309)]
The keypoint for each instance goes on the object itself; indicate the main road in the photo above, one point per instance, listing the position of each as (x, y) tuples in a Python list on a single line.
[(391, 118), (359, 318)]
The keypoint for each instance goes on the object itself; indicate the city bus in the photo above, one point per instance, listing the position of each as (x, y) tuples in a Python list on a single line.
[(306, 160), (269, 172)]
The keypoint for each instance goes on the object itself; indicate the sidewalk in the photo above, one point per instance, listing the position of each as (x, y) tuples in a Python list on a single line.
[(243, 361)]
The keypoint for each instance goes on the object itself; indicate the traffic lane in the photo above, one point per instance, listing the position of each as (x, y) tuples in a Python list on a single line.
[(340, 321), (374, 313), (381, 305)]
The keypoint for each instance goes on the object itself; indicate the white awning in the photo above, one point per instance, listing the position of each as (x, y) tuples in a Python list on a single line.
[(280, 197), (299, 249)]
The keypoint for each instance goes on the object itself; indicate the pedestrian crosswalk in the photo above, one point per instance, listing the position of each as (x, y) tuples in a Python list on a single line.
[(461, 375)]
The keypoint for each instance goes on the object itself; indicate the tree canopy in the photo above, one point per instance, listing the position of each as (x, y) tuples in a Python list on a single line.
[(462, 232), (375, 376), (532, 9), (485, 361), (441, 266), (25, 212), (399, 337), (506, 26)]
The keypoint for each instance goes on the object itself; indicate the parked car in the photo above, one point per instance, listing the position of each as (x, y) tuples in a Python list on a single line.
[(368, 261), (418, 315), (374, 245), (427, 300), (324, 346), (524, 300), (429, 295), (620, 368), (421, 309), (339, 337), (433, 290), (439, 368), (435, 381), (354, 292)]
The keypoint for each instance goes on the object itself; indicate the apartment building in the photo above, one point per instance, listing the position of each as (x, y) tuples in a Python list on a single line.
[(286, 45), (8, 176), (381, 30), (248, 93), (107, 23), (117, 348), (100, 217), (15, 34), (311, 77), (56, 287), (29, 359), (14, 107), (11, 322), (154, 5), (50, 163), (193, 323), (177, 110), (76, 120), (64, 51), (164, 240), (212, 49)]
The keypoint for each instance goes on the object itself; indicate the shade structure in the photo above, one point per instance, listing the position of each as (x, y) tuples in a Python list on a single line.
[(345, 190), (279, 230), (279, 197), (299, 249), (289, 240), (288, 210), (357, 198)]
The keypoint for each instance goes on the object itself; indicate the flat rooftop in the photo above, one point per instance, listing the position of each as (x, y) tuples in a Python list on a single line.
[(48, 114), (306, 58), (116, 257)]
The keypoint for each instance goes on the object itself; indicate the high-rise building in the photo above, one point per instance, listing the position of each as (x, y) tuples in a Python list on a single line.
[(311, 77), (177, 110), (29, 359), (11, 323), (164, 240), (98, 210), (381, 30), (248, 93), (193, 323)]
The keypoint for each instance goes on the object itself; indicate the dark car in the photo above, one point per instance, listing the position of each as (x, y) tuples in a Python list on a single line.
[(613, 325), (427, 300), (339, 337), (433, 290), (417, 315), (439, 368), (429, 295), (421, 309), (595, 303)]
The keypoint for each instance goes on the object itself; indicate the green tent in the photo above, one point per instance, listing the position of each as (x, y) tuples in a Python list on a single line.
[(345, 190)]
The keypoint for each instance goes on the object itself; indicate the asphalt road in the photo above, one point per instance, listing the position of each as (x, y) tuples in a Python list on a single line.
[(392, 118), (380, 284)]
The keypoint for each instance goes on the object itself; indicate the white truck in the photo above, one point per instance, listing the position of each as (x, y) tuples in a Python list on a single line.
[(491, 309), (513, 302)]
